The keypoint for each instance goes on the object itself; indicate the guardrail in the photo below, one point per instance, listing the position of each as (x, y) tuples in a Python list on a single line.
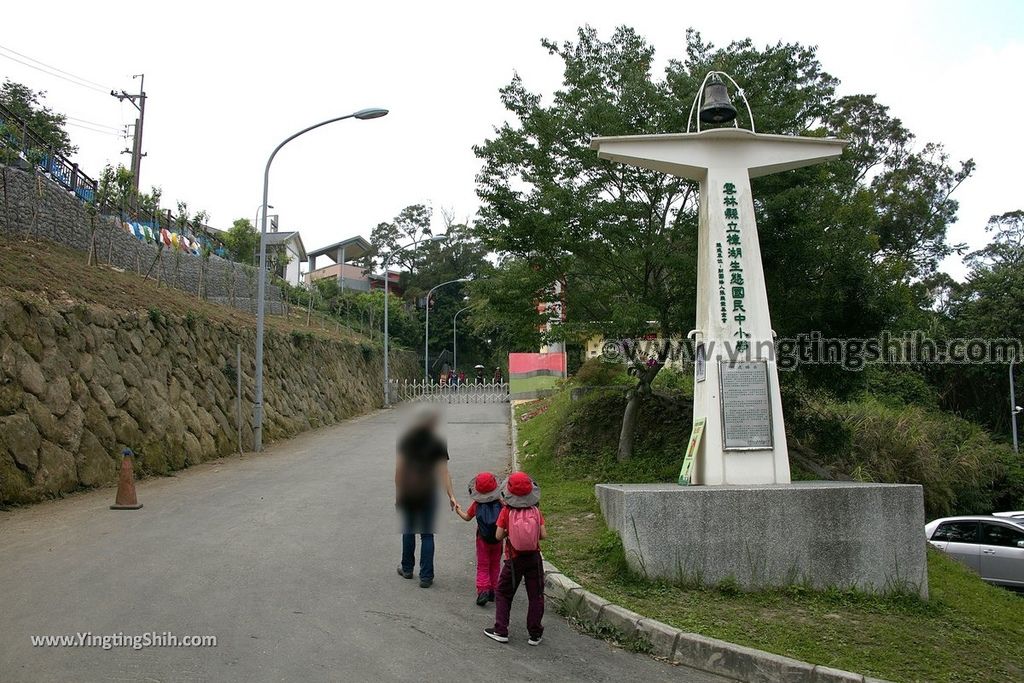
[(34, 150)]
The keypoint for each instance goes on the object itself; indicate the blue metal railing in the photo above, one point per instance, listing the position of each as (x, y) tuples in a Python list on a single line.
[(31, 148)]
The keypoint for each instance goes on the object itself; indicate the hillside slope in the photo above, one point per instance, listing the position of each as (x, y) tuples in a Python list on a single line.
[(93, 361)]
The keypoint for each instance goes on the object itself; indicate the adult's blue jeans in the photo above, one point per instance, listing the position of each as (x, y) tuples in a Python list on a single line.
[(418, 519)]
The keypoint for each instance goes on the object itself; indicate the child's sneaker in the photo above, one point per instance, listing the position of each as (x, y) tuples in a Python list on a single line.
[(493, 635), (535, 640), (490, 596), (481, 598)]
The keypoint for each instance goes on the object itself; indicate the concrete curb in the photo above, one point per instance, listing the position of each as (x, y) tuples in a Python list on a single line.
[(515, 435), (689, 649)]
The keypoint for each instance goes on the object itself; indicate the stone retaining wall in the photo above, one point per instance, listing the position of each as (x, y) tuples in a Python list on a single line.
[(31, 205), (78, 383)]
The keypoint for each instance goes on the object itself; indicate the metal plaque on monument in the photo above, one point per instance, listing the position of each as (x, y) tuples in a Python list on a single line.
[(746, 405)]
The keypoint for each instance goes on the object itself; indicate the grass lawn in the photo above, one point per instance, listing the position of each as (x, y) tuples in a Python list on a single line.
[(966, 631), (535, 383)]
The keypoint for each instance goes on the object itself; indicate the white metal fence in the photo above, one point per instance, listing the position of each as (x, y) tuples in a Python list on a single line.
[(470, 392)]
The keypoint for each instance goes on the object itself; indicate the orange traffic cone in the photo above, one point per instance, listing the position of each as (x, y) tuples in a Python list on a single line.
[(126, 499)]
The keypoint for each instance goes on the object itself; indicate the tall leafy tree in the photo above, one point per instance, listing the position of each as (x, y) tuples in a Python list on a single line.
[(427, 263), (410, 226), (989, 305), (242, 240), (844, 244), (27, 104)]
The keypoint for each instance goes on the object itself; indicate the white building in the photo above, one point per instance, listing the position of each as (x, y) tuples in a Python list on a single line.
[(285, 253)]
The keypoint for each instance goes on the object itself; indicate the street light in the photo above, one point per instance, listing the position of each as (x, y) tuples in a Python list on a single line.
[(426, 330), (255, 224), (1014, 408), (455, 335), (261, 283), (257, 221), (387, 280)]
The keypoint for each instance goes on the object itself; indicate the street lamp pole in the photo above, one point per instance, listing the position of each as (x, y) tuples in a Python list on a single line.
[(426, 331), (385, 264), (261, 283), (1014, 408), (455, 337), (256, 222)]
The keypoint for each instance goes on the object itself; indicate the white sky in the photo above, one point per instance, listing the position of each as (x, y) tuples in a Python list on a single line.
[(227, 81)]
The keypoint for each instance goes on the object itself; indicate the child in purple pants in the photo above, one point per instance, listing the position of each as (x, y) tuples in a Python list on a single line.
[(522, 526), (485, 508)]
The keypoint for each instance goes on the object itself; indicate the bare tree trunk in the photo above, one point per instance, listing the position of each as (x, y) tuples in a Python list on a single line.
[(635, 396), (150, 271), (91, 256), (38, 201)]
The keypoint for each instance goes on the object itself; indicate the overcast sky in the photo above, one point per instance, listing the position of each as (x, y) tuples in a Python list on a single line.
[(227, 81)]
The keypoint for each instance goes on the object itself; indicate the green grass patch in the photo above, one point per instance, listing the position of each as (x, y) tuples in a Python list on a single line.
[(536, 383), (966, 631)]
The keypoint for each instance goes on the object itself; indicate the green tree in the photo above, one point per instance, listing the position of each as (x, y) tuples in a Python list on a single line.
[(843, 244), (116, 194), (410, 226), (429, 263), (48, 125), (242, 241), (988, 305)]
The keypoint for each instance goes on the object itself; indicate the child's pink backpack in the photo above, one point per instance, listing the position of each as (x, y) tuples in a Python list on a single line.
[(524, 528)]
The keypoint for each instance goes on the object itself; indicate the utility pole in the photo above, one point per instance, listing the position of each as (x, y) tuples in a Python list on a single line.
[(139, 102)]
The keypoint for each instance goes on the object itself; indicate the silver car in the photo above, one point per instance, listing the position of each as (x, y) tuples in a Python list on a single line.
[(991, 546), (1014, 516)]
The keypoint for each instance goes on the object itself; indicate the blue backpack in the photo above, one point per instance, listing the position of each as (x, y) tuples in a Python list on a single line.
[(487, 520)]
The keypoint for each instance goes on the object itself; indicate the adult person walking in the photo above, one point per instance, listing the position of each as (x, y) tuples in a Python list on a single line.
[(421, 464)]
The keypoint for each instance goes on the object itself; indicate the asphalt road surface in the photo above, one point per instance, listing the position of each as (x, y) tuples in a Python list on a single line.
[(288, 558)]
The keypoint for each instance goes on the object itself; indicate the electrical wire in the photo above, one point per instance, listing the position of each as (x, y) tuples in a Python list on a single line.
[(96, 130), (92, 123), (48, 66), (52, 73)]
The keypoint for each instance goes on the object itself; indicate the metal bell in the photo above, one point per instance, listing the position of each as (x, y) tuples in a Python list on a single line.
[(717, 108)]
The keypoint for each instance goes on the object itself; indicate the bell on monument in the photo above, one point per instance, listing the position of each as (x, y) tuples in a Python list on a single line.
[(716, 108)]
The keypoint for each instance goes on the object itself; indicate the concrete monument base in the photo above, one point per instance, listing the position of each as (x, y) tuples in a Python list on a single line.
[(821, 534)]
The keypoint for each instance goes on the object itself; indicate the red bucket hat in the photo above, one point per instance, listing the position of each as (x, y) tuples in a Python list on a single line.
[(520, 491), (483, 488)]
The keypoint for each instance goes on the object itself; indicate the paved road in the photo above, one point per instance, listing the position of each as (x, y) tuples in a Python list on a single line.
[(289, 559)]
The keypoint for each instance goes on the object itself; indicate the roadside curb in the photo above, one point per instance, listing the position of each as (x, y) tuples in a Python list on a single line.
[(689, 649), (715, 656)]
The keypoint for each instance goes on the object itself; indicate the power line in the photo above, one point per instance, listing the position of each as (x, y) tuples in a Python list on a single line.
[(97, 130), (92, 123), (55, 75), (48, 66)]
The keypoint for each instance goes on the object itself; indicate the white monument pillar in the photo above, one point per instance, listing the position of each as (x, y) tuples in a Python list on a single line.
[(751, 525), (744, 438)]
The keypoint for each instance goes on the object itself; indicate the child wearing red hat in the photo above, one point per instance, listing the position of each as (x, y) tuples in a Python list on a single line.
[(485, 508), (522, 525)]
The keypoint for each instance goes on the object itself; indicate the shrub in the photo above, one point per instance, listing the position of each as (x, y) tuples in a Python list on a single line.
[(300, 338), (962, 470), (598, 372), (671, 379)]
